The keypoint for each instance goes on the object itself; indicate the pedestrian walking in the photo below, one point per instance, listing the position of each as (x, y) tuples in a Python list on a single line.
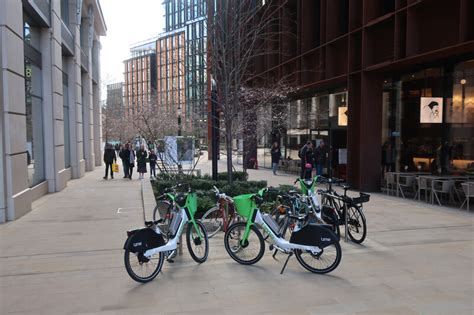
[(152, 158), (109, 158), (132, 163), (306, 156), (320, 157), (276, 155), (141, 161)]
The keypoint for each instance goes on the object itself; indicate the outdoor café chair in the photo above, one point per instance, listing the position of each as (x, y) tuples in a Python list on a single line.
[(468, 193), (442, 186), (406, 182), (422, 185)]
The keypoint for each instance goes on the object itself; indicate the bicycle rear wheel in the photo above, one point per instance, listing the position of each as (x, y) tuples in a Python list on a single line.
[(325, 261), (356, 225), (247, 253), (213, 221), (140, 268)]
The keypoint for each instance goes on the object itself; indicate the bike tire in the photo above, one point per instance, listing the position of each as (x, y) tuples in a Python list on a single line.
[(194, 239), (299, 256), (356, 224), (234, 233), (213, 221), (130, 258)]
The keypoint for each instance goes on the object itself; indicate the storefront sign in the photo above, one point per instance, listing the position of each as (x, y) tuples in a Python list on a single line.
[(342, 116), (431, 110)]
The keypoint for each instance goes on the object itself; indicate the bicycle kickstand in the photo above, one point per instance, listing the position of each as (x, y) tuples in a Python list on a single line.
[(286, 262)]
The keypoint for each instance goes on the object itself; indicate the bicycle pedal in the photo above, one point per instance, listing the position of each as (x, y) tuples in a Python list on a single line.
[(170, 260), (270, 248)]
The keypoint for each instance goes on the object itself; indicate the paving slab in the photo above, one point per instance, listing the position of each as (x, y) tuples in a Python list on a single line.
[(66, 257)]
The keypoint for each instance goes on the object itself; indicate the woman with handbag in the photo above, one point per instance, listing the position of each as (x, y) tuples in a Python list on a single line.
[(306, 156)]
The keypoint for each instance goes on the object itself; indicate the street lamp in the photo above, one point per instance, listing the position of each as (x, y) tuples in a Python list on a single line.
[(179, 120)]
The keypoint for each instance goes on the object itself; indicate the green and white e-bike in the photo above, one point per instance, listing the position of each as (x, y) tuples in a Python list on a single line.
[(146, 248), (315, 246)]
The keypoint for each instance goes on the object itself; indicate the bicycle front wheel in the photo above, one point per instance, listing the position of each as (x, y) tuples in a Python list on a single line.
[(198, 246), (248, 252), (140, 268), (212, 221), (325, 261), (356, 225)]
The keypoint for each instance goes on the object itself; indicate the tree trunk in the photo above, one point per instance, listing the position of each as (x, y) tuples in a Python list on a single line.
[(228, 140)]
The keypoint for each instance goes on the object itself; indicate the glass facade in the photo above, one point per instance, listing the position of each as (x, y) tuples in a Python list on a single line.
[(428, 122), (170, 62), (191, 17), (322, 116), (34, 105)]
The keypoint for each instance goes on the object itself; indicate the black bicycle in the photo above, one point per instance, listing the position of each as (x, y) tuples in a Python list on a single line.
[(356, 222)]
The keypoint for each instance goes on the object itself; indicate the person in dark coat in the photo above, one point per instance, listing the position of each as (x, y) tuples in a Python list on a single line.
[(276, 155), (109, 158), (306, 156), (125, 156), (141, 161), (132, 162), (152, 158), (320, 157)]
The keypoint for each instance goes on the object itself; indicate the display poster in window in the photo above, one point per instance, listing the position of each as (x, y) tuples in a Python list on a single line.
[(342, 156), (431, 110), (342, 116)]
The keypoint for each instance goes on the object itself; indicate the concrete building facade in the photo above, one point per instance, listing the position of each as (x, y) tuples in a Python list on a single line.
[(50, 124)]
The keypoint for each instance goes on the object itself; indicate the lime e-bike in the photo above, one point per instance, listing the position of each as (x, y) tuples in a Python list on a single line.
[(146, 248), (315, 246)]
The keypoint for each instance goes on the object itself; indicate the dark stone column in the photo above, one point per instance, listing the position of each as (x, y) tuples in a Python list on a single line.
[(364, 131)]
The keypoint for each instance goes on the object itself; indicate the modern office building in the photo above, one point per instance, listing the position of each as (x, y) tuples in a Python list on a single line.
[(50, 125), (140, 77), (114, 101), (171, 73), (190, 18), (397, 74)]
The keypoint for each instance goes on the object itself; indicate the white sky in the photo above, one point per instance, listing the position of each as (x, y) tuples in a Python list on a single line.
[(128, 22)]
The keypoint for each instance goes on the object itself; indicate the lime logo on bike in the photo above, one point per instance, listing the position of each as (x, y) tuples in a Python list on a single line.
[(325, 239), (137, 244)]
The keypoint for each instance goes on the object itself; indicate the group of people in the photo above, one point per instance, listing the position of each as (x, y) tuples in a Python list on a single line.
[(129, 157), (312, 156)]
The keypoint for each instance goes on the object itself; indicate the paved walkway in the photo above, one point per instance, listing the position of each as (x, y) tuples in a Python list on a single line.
[(66, 257)]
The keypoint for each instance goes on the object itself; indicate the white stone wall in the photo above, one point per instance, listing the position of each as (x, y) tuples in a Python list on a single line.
[(84, 111)]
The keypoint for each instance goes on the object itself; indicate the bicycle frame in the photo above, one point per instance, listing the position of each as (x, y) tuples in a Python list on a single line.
[(310, 192), (280, 242), (172, 244)]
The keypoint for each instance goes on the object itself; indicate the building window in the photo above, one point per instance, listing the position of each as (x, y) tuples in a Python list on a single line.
[(34, 107), (428, 120), (34, 123), (65, 11), (67, 143)]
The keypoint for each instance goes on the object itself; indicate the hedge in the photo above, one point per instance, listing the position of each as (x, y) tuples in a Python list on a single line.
[(203, 186)]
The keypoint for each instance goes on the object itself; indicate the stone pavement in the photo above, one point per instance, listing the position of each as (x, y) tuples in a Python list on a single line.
[(66, 257)]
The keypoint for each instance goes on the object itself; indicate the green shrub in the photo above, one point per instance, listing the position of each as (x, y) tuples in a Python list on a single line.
[(204, 188)]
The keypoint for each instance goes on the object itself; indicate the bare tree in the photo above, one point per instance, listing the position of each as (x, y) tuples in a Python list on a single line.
[(153, 123), (240, 33)]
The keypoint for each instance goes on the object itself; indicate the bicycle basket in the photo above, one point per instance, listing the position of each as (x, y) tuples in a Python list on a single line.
[(363, 198), (245, 205)]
